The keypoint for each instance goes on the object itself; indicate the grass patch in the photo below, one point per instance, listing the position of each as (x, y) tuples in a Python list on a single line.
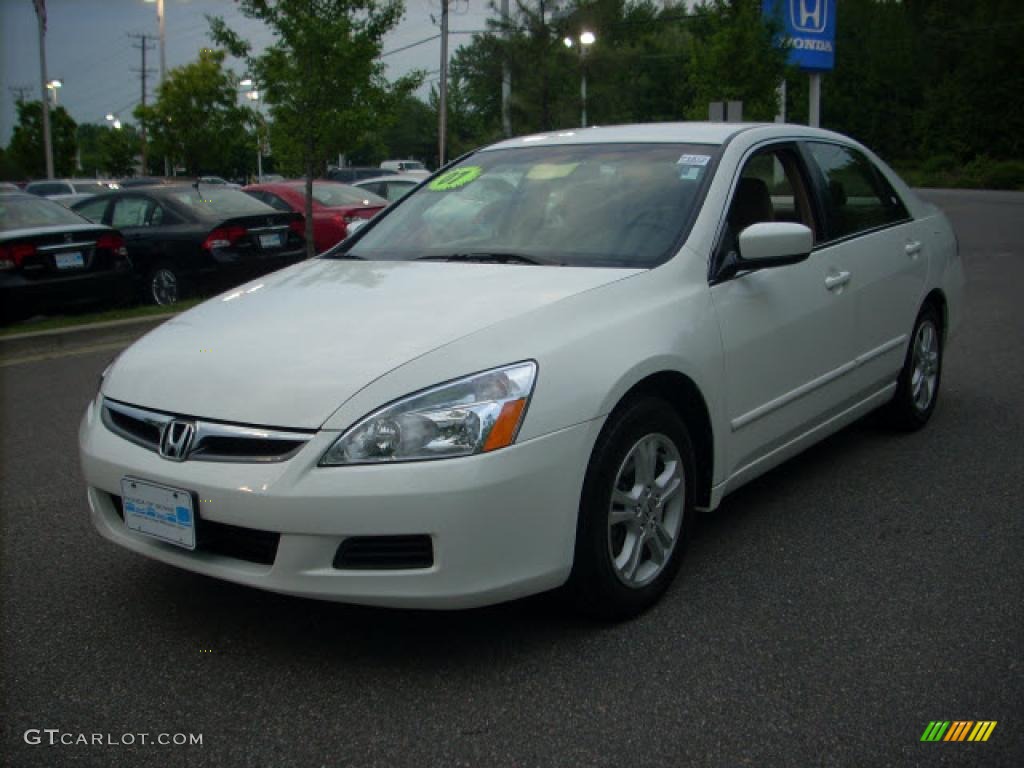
[(55, 322), (945, 171)]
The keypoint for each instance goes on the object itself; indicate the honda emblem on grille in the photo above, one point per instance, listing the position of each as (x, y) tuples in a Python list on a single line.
[(176, 440)]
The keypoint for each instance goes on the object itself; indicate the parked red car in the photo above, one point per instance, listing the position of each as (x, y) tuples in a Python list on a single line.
[(335, 206)]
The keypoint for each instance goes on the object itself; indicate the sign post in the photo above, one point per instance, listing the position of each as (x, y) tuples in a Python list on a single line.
[(809, 27)]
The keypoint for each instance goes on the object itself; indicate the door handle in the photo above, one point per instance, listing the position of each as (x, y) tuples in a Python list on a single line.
[(912, 248), (837, 281)]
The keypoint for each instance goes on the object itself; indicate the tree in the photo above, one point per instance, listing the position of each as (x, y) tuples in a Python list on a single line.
[(322, 77), (26, 148), (106, 150), (196, 120), (735, 58)]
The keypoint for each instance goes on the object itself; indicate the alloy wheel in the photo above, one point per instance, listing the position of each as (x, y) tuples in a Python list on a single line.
[(925, 374), (646, 512), (163, 285)]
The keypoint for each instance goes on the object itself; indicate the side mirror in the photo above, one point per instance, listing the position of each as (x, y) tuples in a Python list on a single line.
[(774, 244)]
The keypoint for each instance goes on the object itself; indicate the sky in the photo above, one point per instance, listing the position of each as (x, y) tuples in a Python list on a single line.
[(88, 46)]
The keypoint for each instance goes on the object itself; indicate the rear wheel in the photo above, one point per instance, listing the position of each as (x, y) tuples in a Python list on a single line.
[(164, 285), (917, 389), (635, 513)]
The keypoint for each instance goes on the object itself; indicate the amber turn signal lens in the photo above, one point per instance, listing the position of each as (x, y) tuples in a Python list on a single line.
[(504, 430)]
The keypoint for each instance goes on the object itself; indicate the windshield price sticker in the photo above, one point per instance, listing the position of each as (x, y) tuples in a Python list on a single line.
[(699, 160), (455, 178)]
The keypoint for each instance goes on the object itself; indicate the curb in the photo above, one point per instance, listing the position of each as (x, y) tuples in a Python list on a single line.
[(82, 337)]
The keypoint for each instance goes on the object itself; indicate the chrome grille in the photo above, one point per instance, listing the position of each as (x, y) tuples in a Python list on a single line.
[(213, 441)]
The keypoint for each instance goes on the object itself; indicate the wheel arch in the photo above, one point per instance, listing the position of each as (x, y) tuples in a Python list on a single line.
[(936, 298), (685, 397)]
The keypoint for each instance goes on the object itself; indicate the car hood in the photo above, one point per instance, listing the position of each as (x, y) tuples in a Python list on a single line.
[(288, 349)]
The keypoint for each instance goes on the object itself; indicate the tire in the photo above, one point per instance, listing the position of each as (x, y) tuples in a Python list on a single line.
[(164, 285), (617, 572), (917, 388)]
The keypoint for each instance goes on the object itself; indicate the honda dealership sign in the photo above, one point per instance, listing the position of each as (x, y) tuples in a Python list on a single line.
[(810, 28)]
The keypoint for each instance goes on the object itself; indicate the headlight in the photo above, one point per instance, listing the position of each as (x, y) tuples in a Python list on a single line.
[(477, 414)]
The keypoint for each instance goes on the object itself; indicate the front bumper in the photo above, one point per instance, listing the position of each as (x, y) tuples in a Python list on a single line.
[(502, 525)]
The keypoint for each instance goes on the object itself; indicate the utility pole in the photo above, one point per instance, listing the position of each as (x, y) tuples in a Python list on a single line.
[(20, 92), (506, 76), (47, 142), (163, 40), (442, 115), (145, 44), (163, 62)]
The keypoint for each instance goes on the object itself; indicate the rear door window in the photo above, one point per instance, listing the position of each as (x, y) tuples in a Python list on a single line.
[(130, 212), (857, 198), (93, 210)]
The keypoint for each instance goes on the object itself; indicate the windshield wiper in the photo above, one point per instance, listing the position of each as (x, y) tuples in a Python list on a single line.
[(488, 257)]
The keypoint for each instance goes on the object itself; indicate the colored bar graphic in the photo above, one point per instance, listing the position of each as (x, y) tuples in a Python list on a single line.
[(959, 730), (982, 730), (935, 730)]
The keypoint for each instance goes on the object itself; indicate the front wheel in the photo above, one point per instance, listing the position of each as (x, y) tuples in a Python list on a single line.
[(635, 513), (917, 389)]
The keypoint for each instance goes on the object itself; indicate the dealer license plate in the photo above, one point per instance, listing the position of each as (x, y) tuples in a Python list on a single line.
[(159, 511)]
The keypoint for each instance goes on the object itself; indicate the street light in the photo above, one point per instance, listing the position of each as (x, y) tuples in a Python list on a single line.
[(254, 95), (585, 40), (112, 118), (52, 87)]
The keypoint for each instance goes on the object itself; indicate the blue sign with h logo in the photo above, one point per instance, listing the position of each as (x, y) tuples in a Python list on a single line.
[(810, 28)]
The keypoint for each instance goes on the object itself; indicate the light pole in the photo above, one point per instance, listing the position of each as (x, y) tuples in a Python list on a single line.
[(52, 87), (254, 95), (585, 40)]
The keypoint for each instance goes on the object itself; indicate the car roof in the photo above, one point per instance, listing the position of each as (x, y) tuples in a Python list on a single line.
[(660, 133)]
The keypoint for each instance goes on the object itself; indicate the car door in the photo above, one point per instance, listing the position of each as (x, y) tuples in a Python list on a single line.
[(787, 332), (871, 232)]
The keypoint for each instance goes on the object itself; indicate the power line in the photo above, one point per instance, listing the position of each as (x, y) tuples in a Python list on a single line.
[(410, 45)]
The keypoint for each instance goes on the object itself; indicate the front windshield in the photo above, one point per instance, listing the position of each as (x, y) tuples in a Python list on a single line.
[(622, 205)]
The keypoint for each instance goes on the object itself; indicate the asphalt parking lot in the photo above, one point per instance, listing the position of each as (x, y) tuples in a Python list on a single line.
[(823, 616)]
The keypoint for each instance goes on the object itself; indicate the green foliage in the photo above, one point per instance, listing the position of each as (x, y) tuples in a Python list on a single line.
[(649, 64), (734, 59), (104, 150), (25, 152), (197, 122), (322, 77), (934, 86)]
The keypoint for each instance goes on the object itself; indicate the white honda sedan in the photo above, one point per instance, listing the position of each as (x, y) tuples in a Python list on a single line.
[(531, 372)]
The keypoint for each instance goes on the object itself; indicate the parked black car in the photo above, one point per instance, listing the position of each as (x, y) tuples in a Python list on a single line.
[(52, 258), (353, 173), (184, 236)]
